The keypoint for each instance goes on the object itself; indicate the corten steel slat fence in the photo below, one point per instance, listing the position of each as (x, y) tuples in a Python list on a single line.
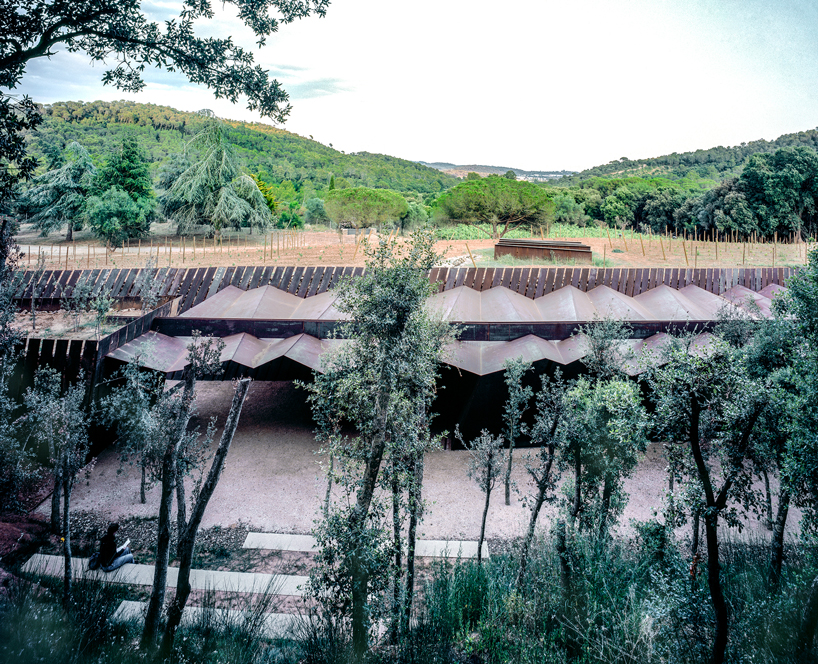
[(194, 285)]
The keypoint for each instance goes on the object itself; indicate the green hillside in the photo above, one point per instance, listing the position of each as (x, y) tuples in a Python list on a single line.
[(713, 164), (274, 154)]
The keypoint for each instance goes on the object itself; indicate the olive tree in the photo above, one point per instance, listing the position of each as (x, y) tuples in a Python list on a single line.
[(516, 405), (708, 406), (606, 439), (60, 424), (382, 380)]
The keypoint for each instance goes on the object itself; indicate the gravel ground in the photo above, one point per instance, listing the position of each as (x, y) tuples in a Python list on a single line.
[(273, 481)]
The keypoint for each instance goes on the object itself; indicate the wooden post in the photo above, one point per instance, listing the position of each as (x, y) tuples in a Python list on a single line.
[(608, 231), (29, 254), (194, 247), (743, 252), (470, 255), (604, 257), (264, 255), (684, 246), (717, 248), (625, 239), (357, 244), (641, 241), (661, 244), (278, 244), (542, 237), (183, 250)]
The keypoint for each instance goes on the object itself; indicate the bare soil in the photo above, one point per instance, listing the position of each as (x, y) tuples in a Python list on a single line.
[(317, 247), (60, 325)]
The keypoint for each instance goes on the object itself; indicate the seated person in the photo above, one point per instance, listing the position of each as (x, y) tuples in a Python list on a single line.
[(111, 557)]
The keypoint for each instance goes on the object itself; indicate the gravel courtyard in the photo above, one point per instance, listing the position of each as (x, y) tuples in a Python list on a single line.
[(273, 480)]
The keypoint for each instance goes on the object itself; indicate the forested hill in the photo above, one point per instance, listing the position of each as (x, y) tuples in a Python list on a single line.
[(274, 154), (713, 164)]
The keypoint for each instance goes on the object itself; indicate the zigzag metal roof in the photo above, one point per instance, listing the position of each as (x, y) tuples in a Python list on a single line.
[(169, 354), (460, 304), (498, 305)]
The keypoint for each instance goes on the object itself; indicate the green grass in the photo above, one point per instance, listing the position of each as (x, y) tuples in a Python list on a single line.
[(561, 231)]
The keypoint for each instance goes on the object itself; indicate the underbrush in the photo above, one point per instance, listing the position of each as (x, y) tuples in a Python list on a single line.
[(601, 601)]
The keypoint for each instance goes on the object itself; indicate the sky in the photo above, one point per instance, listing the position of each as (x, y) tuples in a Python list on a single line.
[(530, 84)]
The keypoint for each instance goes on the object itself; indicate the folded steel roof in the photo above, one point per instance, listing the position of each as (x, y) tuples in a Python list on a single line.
[(461, 304)]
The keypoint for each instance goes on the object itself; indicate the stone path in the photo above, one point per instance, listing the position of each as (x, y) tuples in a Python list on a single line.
[(423, 548), (274, 626), (142, 575)]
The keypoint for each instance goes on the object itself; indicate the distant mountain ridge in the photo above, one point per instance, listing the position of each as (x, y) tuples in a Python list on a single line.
[(714, 163), (461, 170), (276, 155)]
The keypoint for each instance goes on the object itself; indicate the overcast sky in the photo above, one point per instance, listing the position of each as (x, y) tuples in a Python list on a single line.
[(533, 84)]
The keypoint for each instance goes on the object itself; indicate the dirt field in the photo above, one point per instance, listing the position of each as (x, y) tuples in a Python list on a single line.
[(320, 247), (273, 480)]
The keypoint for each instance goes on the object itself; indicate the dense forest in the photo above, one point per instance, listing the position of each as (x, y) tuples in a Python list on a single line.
[(759, 188), (275, 155), (711, 164)]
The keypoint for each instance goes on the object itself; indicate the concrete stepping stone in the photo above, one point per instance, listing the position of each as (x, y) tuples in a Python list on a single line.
[(142, 575), (280, 542), (274, 626), (306, 543)]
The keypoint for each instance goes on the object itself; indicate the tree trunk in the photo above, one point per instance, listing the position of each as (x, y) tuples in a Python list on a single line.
[(397, 550), (605, 507), (483, 525), (415, 513), (66, 533), (577, 506), (508, 471), (809, 625), (69, 236), (768, 520), (143, 482), (181, 504), (160, 575), (329, 485), (571, 646), (187, 541), (360, 578), (360, 619), (716, 591), (778, 537), (56, 526), (529, 537), (694, 546)]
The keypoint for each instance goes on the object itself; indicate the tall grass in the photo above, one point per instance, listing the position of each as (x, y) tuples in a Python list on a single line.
[(621, 602)]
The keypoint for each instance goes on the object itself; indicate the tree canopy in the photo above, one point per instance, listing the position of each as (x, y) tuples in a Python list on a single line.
[(57, 198), (213, 191), (498, 201), (119, 31), (363, 208)]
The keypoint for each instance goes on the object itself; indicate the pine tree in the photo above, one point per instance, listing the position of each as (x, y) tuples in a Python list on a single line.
[(213, 191), (127, 169), (57, 198)]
